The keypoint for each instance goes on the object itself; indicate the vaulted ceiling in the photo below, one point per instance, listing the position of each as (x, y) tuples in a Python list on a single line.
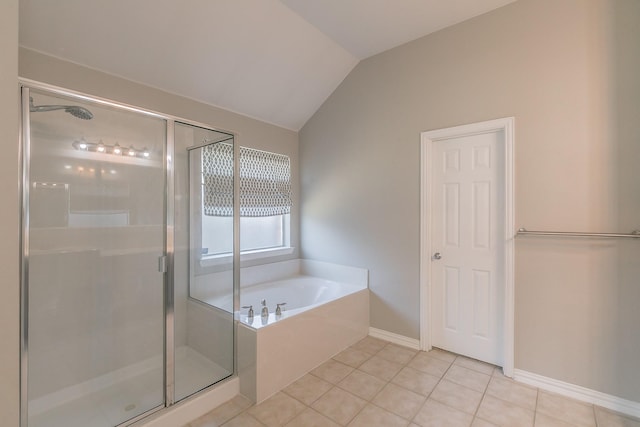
[(274, 60)]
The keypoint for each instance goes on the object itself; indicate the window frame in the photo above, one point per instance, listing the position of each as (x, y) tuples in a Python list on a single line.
[(206, 263), (211, 260)]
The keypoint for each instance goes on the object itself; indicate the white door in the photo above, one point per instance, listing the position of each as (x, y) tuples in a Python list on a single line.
[(467, 251)]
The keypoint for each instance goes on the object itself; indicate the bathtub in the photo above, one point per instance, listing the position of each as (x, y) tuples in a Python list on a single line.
[(326, 311), (299, 293)]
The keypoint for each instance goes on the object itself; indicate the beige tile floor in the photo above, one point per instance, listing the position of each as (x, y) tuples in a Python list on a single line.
[(376, 383)]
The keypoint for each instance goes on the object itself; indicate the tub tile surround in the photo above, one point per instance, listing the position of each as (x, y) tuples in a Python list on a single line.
[(275, 356), (272, 356), (462, 392)]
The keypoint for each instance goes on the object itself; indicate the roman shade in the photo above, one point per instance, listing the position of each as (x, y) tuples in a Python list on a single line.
[(265, 182)]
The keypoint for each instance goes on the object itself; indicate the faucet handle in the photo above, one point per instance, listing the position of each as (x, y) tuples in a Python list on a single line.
[(279, 308), (263, 302), (250, 307)]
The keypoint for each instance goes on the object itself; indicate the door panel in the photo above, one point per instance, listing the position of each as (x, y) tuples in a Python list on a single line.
[(95, 230), (452, 298), (467, 216), (481, 306), (451, 215)]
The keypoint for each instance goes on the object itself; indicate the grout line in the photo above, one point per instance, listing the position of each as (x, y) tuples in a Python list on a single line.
[(387, 382), (484, 393), (336, 385), (438, 383), (397, 385), (425, 398), (254, 418), (535, 407), (317, 412), (316, 399), (405, 365), (357, 413)]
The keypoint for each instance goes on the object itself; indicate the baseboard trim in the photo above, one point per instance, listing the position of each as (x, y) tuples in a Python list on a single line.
[(584, 394), (395, 338)]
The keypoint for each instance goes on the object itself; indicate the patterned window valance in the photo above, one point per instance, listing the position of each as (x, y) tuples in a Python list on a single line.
[(265, 182)]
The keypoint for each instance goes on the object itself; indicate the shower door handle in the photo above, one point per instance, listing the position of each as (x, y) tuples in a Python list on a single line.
[(162, 264)]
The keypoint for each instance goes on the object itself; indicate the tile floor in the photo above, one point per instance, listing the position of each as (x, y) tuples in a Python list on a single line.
[(376, 383)]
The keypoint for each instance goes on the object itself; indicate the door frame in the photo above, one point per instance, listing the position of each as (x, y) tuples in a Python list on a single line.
[(427, 140)]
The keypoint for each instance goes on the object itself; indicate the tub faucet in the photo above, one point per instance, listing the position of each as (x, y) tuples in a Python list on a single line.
[(279, 308), (265, 310), (250, 313)]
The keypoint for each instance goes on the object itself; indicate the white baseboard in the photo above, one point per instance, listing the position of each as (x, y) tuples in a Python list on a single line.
[(395, 338), (584, 394)]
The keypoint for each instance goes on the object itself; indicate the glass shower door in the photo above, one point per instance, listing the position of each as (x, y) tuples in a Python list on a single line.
[(95, 230), (203, 262)]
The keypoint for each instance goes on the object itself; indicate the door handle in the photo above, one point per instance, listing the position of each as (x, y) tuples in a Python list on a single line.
[(162, 264), (436, 256)]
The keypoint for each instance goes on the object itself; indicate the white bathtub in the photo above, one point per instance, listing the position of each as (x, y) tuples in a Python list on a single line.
[(301, 284), (327, 310), (300, 293)]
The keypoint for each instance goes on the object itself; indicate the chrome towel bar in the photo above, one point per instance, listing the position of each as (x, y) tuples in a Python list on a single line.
[(523, 231)]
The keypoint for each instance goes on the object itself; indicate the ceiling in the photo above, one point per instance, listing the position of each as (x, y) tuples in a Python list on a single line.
[(274, 60)]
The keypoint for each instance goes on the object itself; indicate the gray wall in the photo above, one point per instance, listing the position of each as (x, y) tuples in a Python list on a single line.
[(568, 71), (9, 219)]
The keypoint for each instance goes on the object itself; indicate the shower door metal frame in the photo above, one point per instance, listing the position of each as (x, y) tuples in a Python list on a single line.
[(25, 156), (236, 227), (24, 143), (169, 293)]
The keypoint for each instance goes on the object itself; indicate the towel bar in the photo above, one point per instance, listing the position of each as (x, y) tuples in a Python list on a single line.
[(523, 231)]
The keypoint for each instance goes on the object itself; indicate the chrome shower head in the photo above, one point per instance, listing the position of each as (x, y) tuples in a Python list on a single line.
[(79, 112), (74, 110)]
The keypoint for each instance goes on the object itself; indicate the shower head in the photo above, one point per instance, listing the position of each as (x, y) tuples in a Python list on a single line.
[(79, 112), (74, 110)]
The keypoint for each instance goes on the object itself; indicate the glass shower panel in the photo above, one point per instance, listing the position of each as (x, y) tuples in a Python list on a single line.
[(203, 284), (96, 228)]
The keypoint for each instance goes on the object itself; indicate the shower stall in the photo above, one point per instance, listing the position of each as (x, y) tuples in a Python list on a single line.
[(111, 229)]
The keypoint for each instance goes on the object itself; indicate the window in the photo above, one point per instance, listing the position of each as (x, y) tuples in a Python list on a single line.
[(257, 233), (265, 201)]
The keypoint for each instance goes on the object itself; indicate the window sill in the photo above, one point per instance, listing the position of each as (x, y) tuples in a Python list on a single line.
[(216, 260)]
